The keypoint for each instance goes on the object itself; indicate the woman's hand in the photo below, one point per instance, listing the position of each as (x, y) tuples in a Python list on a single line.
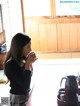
[(31, 58)]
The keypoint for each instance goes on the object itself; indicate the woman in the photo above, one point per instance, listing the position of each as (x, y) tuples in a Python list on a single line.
[(18, 69)]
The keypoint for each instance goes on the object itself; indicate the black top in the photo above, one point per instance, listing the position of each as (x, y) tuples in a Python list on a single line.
[(19, 78)]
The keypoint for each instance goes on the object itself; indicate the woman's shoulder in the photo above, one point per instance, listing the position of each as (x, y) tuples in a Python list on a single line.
[(11, 62), (11, 66)]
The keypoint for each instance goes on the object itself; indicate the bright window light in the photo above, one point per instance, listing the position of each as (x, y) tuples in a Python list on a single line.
[(37, 7)]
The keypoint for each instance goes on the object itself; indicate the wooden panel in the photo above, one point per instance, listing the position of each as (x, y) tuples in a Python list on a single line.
[(35, 37), (59, 55), (52, 38), (43, 35), (73, 37), (53, 8), (78, 36), (65, 37), (59, 37), (33, 31), (54, 35)]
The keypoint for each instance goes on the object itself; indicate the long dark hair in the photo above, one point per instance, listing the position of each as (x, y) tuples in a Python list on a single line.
[(18, 42)]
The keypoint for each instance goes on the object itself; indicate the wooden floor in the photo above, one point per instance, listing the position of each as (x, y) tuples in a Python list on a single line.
[(46, 79)]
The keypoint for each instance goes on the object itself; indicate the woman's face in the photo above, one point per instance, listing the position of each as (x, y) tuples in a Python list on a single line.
[(26, 49)]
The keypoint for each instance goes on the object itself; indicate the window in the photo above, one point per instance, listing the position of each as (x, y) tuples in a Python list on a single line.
[(67, 7), (37, 7)]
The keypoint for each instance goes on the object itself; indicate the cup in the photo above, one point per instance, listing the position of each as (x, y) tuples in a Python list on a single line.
[(33, 54)]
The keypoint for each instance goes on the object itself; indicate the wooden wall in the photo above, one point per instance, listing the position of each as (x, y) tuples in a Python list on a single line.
[(54, 35)]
